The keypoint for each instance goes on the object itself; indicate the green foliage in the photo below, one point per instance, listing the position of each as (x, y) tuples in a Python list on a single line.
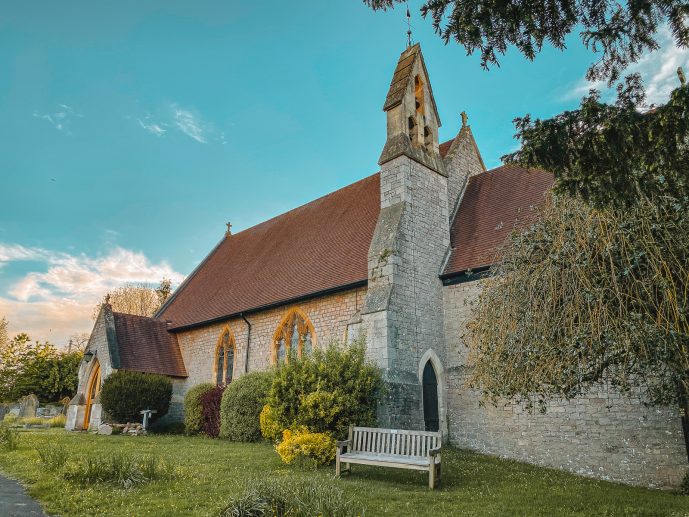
[(52, 456), (270, 428), (33, 367), (57, 421), (622, 32), (614, 155), (193, 410), (125, 394), (120, 470), (327, 391), (9, 438), (305, 448), (587, 296), (241, 407), (290, 498), (165, 426)]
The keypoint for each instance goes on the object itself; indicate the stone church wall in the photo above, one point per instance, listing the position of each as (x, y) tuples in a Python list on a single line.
[(402, 310), (602, 434), (329, 315)]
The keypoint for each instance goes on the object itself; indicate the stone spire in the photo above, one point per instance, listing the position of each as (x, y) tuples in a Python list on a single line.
[(412, 116)]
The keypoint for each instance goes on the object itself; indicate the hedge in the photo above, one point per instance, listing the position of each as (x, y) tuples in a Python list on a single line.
[(125, 394), (241, 406)]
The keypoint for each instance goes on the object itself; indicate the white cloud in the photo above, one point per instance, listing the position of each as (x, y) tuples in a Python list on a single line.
[(61, 118), (190, 124), (157, 129), (658, 70), (184, 120), (55, 303)]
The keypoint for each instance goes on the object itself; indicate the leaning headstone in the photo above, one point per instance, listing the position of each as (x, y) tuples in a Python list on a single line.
[(28, 406), (105, 429)]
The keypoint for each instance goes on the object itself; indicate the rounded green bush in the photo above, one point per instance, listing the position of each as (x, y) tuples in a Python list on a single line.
[(241, 407), (125, 394), (193, 408)]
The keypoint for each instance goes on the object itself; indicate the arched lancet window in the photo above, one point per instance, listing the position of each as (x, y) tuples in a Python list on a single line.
[(225, 353), (294, 337)]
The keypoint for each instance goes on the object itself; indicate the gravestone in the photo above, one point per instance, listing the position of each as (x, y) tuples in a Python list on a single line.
[(28, 406), (105, 429)]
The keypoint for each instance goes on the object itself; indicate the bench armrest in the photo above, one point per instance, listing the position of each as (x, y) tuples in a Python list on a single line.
[(342, 444), (434, 452)]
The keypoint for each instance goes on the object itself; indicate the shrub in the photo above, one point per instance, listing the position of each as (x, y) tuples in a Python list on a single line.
[(210, 411), (125, 394), (32, 420), (9, 438), (306, 448), (57, 421), (327, 391), (270, 429), (52, 456), (119, 469), (193, 410), (293, 498), (241, 407), (165, 426)]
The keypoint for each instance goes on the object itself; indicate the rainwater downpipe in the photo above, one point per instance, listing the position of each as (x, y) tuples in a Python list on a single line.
[(248, 342)]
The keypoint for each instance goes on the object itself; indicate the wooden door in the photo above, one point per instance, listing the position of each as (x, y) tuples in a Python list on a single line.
[(93, 389)]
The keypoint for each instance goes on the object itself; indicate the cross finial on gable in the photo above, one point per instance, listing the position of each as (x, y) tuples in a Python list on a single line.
[(228, 232), (465, 118)]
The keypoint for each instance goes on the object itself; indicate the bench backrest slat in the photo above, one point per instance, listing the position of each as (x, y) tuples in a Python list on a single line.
[(397, 442)]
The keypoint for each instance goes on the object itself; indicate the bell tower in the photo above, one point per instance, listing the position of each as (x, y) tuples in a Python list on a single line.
[(412, 116), (403, 310)]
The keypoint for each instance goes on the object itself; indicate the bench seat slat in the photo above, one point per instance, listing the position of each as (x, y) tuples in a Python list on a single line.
[(386, 460)]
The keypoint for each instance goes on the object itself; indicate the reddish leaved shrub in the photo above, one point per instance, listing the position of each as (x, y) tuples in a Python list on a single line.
[(210, 404)]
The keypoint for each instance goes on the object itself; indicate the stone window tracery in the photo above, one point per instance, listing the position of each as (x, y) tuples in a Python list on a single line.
[(294, 337), (225, 353)]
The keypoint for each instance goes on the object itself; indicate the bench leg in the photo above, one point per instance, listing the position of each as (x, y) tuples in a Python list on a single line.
[(431, 476), (337, 466)]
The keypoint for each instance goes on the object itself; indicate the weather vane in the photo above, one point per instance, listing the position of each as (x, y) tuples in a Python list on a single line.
[(408, 26)]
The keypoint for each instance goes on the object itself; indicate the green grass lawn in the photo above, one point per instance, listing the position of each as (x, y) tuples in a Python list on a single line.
[(211, 471)]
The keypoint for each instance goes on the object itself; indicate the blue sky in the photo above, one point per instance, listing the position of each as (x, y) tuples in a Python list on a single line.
[(131, 132)]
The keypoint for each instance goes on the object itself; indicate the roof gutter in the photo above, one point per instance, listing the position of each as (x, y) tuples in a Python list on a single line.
[(468, 275), (324, 292)]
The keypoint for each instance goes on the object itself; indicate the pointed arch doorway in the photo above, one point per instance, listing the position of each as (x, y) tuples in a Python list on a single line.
[(431, 412), (93, 389)]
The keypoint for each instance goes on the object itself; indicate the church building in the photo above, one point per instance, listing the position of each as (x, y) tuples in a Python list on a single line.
[(394, 259)]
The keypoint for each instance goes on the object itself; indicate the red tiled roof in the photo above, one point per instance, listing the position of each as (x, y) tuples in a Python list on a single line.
[(317, 247), (146, 345), (495, 202), (445, 147)]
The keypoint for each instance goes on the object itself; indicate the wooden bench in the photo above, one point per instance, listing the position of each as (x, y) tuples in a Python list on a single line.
[(417, 450)]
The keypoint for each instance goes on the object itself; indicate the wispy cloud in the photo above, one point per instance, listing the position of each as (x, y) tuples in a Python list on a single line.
[(658, 70), (190, 124), (60, 118), (157, 129), (57, 299), (173, 118)]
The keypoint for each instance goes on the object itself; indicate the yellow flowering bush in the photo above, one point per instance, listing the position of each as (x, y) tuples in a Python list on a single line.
[(307, 448), (270, 429)]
